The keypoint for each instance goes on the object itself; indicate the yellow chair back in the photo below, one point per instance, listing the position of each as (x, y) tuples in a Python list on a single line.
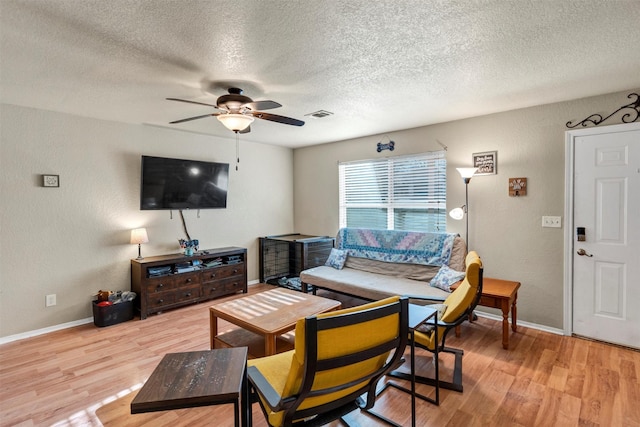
[(459, 303)]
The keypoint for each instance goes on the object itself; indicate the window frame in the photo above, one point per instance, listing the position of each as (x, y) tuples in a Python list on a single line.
[(430, 193)]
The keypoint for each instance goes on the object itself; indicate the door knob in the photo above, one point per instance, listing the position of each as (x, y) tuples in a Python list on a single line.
[(582, 252)]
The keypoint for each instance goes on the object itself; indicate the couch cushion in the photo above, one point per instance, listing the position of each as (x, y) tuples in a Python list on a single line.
[(408, 271), (458, 254), (446, 277), (336, 258), (367, 285)]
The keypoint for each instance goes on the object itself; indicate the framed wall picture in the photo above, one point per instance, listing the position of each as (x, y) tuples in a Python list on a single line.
[(487, 163), (50, 180)]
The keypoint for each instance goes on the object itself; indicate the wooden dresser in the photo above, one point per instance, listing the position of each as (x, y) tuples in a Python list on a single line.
[(170, 281)]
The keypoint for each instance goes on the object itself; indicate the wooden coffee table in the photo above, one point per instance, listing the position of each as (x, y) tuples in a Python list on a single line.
[(265, 315)]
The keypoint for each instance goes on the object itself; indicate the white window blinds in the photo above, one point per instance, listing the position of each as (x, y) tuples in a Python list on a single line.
[(397, 193)]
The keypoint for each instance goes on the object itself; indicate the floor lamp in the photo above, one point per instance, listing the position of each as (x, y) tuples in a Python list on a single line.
[(463, 211)]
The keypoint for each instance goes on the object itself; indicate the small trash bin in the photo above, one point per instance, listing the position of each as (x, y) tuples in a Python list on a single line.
[(112, 314)]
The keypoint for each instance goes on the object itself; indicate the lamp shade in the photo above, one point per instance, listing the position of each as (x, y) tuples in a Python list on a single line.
[(235, 122), (466, 172), (139, 235), (457, 213)]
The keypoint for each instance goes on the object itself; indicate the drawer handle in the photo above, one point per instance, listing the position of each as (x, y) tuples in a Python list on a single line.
[(188, 294), (160, 301), (212, 290), (188, 280), (235, 271), (160, 285), (213, 275)]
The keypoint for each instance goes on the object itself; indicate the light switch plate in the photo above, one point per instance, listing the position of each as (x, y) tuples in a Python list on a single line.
[(552, 221)]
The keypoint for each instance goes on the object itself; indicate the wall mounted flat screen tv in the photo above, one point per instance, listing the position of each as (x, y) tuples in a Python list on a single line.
[(183, 184)]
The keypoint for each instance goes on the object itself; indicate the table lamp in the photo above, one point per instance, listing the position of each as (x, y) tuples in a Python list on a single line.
[(139, 236)]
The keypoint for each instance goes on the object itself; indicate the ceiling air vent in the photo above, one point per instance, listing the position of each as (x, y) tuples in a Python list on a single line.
[(319, 114)]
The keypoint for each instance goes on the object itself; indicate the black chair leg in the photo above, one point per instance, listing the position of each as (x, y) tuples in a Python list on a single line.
[(455, 384), (375, 414)]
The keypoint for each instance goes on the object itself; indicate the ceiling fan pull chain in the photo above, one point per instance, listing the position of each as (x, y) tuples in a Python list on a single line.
[(237, 150)]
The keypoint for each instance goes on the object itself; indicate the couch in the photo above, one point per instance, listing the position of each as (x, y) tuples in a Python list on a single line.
[(382, 263)]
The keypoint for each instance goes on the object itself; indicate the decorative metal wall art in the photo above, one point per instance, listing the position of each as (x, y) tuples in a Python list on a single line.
[(631, 114)]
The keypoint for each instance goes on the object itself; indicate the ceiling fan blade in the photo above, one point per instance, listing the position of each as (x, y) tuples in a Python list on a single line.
[(278, 119), (192, 102), (193, 118), (262, 105)]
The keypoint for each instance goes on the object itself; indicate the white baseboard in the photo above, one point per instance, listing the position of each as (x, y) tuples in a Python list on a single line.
[(521, 323), (43, 331)]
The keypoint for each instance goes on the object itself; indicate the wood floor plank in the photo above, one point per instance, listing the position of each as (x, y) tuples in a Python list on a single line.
[(87, 376)]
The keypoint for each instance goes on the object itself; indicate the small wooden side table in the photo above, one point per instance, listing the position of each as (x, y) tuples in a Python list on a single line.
[(502, 294), (198, 378)]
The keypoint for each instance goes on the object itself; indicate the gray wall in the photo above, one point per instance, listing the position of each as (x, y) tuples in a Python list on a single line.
[(74, 240), (506, 231)]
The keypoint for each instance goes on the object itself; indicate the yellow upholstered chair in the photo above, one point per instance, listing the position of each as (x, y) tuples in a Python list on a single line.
[(456, 308), (338, 356)]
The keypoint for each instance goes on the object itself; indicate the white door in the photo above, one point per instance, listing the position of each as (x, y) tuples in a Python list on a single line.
[(606, 264)]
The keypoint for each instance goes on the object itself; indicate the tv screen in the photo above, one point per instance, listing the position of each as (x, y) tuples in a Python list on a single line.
[(183, 184)]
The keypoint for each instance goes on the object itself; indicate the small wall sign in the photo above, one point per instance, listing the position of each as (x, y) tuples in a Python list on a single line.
[(487, 163), (50, 180), (389, 146), (517, 187)]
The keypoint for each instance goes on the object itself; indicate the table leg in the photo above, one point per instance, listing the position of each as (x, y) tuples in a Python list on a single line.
[(413, 379), (213, 328), (514, 313), (505, 324), (270, 344), (245, 404)]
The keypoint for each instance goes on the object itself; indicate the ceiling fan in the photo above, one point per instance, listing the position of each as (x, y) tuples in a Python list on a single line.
[(238, 111)]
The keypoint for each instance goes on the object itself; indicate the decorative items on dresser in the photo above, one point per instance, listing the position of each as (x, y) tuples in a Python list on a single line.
[(169, 281)]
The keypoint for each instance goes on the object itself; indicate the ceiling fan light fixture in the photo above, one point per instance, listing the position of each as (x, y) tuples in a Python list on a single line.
[(235, 122)]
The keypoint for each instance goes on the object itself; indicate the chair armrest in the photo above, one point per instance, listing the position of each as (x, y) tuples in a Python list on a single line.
[(424, 298), (264, 389)]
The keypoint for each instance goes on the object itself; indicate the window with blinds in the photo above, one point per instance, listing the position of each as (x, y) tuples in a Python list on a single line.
[(398, 193)]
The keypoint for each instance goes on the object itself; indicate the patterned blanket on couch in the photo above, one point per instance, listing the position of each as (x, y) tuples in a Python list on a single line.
[(410, 247)]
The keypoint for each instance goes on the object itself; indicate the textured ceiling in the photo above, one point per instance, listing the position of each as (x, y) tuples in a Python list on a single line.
[(379, 66)]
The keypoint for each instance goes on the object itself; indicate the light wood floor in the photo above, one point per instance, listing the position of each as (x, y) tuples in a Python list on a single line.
[(87, 376)]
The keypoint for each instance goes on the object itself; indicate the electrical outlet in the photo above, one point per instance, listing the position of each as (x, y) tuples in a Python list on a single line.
[(51, 300), (552, 221)]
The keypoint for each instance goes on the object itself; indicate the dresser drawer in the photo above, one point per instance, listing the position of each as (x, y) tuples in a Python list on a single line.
[(222, 272), (159, 300), (233, 284), (187, 279), (213, 290), (161, 284), (188, 293)]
